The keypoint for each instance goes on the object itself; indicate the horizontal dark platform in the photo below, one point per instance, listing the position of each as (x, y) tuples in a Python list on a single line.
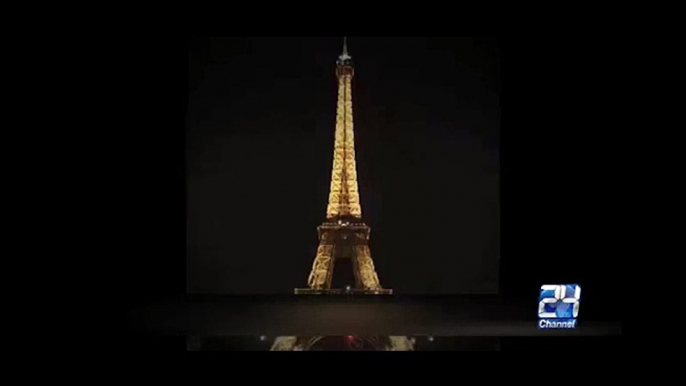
[(350, 315), (340, 291)]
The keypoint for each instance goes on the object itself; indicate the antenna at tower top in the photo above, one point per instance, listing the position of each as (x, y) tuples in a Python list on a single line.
[(344, 55)]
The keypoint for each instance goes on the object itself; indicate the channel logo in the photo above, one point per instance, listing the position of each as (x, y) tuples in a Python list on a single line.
[(558, 306)]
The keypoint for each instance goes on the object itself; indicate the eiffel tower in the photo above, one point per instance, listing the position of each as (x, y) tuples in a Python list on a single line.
[(343, 236)]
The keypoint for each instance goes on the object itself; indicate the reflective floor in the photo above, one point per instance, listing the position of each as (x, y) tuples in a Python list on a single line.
[(342, 343)]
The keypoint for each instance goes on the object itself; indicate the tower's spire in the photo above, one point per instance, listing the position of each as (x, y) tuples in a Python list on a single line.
[(344, 198), (344, 55)]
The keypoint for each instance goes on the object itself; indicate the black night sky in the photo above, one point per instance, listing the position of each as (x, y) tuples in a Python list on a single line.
[(485, 164), (259, 144)]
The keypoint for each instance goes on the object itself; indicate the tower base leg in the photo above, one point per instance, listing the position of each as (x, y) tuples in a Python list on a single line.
[(284, 343)]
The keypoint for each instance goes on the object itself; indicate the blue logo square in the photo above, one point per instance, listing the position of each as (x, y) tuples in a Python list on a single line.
[(558, 305)]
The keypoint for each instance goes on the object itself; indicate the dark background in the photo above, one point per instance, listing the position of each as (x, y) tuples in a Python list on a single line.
[(558, 198), (259, 147)]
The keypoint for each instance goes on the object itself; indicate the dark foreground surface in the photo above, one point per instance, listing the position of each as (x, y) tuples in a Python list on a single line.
[(341, 343), (472, 316)]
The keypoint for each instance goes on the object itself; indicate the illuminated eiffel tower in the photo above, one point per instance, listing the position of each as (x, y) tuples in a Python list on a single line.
[(343, 236)]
